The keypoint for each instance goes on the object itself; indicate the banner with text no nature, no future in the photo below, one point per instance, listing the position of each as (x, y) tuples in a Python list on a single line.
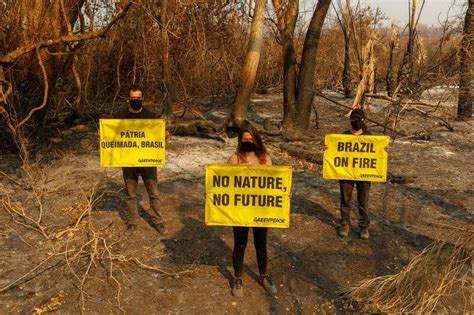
[(132, 142), (350, 157), (248, 195)]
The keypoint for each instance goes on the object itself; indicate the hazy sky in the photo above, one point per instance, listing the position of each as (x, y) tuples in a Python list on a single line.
[(433, 10)]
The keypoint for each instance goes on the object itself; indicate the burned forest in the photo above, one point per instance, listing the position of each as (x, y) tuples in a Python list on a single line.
[(250, 86)]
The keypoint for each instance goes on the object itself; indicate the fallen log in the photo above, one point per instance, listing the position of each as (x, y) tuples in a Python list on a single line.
[(198, 128), (318, 93), (301, 152)]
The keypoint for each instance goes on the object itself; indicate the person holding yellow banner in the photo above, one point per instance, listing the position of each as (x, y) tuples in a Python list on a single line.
[(357, 121), (250, 151), (135, 110)]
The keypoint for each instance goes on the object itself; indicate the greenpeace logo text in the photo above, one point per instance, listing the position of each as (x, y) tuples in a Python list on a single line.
[(269, 220), (149, 160), (371, 175)]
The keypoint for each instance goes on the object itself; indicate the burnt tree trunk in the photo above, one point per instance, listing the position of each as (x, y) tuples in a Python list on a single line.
[(346, 71), (49, 20), (367, 73), (466, 78), (406, 72), (287, 14), (249, 70), (305, 91), (166, 84), (345, 22), (289, 83), (32, 25), (389, 78), (298, 90)]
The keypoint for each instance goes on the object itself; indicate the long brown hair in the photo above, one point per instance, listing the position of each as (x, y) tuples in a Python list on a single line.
[(261, 152)]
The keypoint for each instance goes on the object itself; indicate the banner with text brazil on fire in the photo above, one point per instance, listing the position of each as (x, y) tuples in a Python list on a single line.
[(248, 195), (132, 142), (350, 157)]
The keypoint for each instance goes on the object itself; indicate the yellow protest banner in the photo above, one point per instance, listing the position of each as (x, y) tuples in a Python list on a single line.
[(350, 157), (132, 142), (248, 195)]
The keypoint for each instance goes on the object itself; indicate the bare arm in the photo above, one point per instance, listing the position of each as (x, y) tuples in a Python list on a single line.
[(268, 160), (233, 160)]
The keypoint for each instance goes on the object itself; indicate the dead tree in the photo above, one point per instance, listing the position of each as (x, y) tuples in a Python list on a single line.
[(298, 102), (368, 70), (345, 19), (249, 69), (305, 92), (406, 72), (44, 20), (466, 78), (44, 38), (393, 44), (160, 12), (287, 14), (162, 15)]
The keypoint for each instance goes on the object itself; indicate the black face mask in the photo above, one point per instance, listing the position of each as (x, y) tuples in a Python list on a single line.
[(248, 146), (136, 104), (357, 124)]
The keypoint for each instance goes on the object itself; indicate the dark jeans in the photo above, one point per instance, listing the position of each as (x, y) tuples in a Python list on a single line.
[(363, 189), (149, 177), (240, 242)]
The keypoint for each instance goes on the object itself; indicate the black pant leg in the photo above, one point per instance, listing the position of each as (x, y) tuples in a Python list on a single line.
[(260, 242), (240, 242), (149, 176), (346, 187), (130, 176), (363, 190)]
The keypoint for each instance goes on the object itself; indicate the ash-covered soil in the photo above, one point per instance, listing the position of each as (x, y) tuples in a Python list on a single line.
[(189, 270)]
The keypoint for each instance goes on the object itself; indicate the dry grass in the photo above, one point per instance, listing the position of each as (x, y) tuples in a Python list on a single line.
[(81, 247), (442, 270)]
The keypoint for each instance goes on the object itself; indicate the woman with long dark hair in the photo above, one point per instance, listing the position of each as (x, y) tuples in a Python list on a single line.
[(250, 151)]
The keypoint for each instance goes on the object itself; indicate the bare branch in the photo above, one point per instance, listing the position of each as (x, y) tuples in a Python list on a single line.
[(45, 92), (12, 56)]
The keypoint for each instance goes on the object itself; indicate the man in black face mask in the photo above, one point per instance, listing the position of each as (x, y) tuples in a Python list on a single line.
[(135, 110), (357, 120)]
